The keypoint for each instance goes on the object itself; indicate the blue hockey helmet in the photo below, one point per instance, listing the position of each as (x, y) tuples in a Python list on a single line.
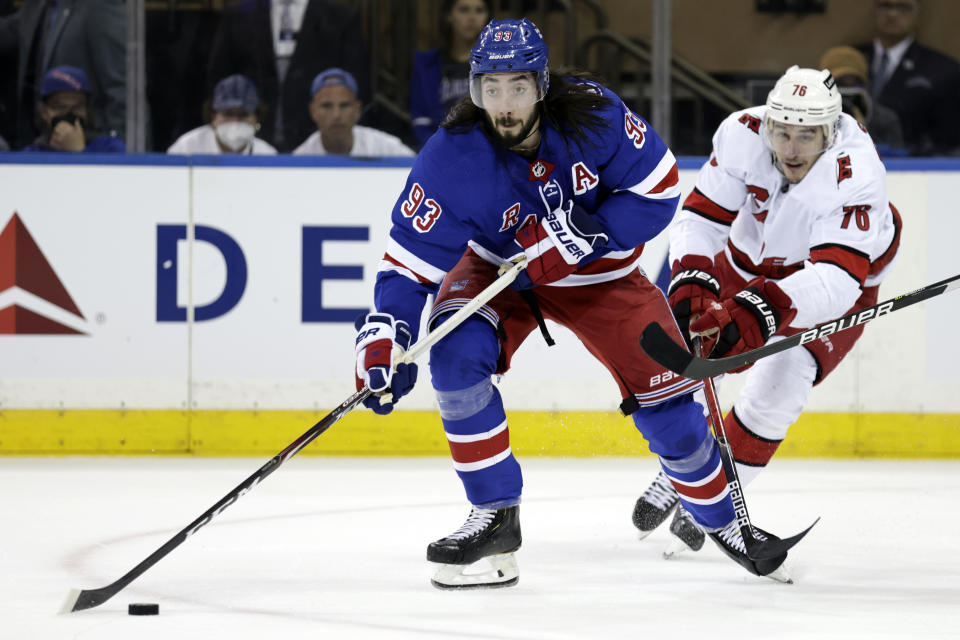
[(510, 46)]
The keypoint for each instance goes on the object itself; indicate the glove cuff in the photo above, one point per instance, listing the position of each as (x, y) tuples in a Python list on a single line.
[(572, 247), (694, 270), (769, 305)]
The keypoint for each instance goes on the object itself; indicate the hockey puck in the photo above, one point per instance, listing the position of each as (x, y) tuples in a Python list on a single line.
[(144, 609)]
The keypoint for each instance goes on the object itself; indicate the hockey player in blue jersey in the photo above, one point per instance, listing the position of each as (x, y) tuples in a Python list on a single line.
[(558, 169)]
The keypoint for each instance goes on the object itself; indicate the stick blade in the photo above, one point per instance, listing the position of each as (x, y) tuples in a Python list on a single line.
[(80, 599), (774, 547), (662, 349), (70, 602)]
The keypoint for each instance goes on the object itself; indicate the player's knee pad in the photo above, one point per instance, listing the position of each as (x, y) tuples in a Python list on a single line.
[(675, 428), (461, 404), (775, 393), (465, 357)]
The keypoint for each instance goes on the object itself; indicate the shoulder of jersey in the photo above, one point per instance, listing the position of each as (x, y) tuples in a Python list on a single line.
[(740, 137), (857, 162), (457, 156)]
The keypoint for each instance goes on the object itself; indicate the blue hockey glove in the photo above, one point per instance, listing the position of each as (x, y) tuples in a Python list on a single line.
[(378, 335)]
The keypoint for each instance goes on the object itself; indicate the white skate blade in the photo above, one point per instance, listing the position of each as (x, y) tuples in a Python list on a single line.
[(781, 575), (675, 547), (487, 573)]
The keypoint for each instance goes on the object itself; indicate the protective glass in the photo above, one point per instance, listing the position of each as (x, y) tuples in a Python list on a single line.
[(498, 92), (795, 141)]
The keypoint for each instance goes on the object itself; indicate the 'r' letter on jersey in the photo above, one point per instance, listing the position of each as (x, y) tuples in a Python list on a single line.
[(583, 179), (510, 217)]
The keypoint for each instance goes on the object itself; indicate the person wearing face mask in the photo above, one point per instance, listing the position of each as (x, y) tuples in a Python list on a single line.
[(235, 119), (65, 117)]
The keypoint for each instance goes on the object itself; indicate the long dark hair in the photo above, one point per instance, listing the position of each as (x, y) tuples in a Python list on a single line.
[(570, 106), (445, 31)]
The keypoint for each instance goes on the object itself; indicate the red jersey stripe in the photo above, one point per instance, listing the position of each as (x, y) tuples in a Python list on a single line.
[(769, 268), (877, 265), (850, 260), (669, 180), (393, 260), (603, 265), (701, 204)]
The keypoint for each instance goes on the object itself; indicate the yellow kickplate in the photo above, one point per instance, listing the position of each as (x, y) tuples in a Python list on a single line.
[(418, 433)]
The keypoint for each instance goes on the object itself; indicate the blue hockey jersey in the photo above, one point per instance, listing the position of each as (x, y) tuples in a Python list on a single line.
[(466, 190)]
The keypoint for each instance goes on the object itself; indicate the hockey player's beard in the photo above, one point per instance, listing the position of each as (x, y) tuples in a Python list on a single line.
[(513, 140)]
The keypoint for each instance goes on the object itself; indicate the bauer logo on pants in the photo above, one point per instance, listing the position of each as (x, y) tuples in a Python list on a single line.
[(33, 300)]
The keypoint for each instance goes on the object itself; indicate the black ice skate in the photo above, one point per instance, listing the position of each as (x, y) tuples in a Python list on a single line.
[(654, 505), (686, 534), (730, 541), (480, 553)]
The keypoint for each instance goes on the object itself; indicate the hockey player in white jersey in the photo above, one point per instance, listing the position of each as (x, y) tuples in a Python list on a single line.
[(789, 226)]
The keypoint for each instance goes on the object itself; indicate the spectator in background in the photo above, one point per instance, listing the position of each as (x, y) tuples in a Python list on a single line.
[(335, 109), (441, 76), (282, 45), (87, 34), (849, 68), (67, 120), (922, 85), (234, 122)]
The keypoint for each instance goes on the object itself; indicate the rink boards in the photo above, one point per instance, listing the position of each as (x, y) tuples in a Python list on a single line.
[(207, 308)]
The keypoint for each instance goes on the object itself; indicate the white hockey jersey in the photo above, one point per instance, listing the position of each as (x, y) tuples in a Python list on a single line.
[(823, 239)]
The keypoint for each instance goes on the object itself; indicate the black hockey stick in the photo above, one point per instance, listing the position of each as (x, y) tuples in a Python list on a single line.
[(756, 549), (661, 348), (79, 599)]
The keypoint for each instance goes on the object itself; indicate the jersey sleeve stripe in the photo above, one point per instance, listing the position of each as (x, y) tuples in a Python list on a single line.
[(887, 256), (401, 257), (663, 182), (389, 264), (767, 268), (854, 262), (701, 205)]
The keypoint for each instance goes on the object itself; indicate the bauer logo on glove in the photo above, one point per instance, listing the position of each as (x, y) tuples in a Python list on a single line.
[(379, 337)]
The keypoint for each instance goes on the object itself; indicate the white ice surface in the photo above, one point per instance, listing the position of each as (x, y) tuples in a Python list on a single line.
[(334, 548)]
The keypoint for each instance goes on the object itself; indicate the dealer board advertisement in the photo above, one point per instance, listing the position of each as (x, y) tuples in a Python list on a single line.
[(235, 287)]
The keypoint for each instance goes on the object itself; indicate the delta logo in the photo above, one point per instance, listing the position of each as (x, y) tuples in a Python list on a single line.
[(33, 300)]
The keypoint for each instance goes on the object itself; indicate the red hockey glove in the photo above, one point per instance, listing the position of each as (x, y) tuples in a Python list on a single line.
[(378, 335), (692, 289), (745, 321), (554, 247)]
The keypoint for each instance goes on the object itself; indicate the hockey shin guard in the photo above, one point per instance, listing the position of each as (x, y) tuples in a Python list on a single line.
[(474, 420), (689, 456)]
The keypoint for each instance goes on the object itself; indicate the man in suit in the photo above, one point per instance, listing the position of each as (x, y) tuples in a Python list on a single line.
[(88, 34), (282, 45), (921, 84)]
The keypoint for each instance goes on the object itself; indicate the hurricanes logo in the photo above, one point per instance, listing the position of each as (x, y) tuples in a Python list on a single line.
[(33, 300)]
